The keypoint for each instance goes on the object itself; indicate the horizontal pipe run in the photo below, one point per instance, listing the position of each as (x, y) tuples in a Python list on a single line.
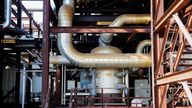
[(59, 60), (126, 61), (67, 49), (106, 38)]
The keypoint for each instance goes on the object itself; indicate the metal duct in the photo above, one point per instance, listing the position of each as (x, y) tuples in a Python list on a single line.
[(106, 38), (7, 13), (142, 45), (59, 60), (145, 43), (94, 60)]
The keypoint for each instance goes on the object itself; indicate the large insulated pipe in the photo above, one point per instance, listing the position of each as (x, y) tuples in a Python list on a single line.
[(142, 45), (7, 13), (106, 38), (93, 60), (65, 61), (59, 60)]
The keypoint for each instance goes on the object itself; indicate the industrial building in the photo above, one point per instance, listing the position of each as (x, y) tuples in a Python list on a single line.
[(95, 53)]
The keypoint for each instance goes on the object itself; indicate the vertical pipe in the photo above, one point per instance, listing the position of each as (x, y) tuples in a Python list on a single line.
[(93, 91), (7, 16), (153, 52), (123, 94), (23, 74), (62, 85), (65, 85), (45, 55)]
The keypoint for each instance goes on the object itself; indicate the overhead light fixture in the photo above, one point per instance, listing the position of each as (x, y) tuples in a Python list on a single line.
[(7, 67)]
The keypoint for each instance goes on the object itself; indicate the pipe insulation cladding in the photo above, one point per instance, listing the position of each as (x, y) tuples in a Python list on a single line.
[(105, 77), (67, 49), (106, 38)]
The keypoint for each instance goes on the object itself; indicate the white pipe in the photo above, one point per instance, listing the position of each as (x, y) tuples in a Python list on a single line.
[(142, 45), (66, 48), (23, 86), (106, 38), (7, 12), (59, 60), (183, 28)]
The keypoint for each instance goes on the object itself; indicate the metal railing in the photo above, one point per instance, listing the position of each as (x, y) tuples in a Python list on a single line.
[(101, 100)]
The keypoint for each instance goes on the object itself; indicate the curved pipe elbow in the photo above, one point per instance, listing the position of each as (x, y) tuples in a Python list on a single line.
[(94, 60), (7, 14), (106, 38)]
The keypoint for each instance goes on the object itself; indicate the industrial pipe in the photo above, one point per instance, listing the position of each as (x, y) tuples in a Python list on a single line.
[(142, 45), (106, 38), (63, 60), (59, 60), (93, 60), (7, 13)]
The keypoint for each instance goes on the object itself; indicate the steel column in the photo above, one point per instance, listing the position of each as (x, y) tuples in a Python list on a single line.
[(175, 7), (1, 66), (45, 55)]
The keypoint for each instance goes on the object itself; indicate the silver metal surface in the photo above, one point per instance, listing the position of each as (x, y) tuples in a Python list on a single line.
[(106, 38), (7, 21), (94, 60), (142, 45), (59, 60), (105, 77)]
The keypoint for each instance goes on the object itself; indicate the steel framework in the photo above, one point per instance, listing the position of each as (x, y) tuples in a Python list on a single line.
[(171, 69)]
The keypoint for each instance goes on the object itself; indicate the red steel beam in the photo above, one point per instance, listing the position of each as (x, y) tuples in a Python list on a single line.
[(175, 77), (181, 48), (45, 54), (100, 29), (165, 37), (175, 7)]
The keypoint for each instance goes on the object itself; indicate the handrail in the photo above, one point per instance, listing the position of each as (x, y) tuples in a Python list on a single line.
[(101, 98), (28, 14)]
